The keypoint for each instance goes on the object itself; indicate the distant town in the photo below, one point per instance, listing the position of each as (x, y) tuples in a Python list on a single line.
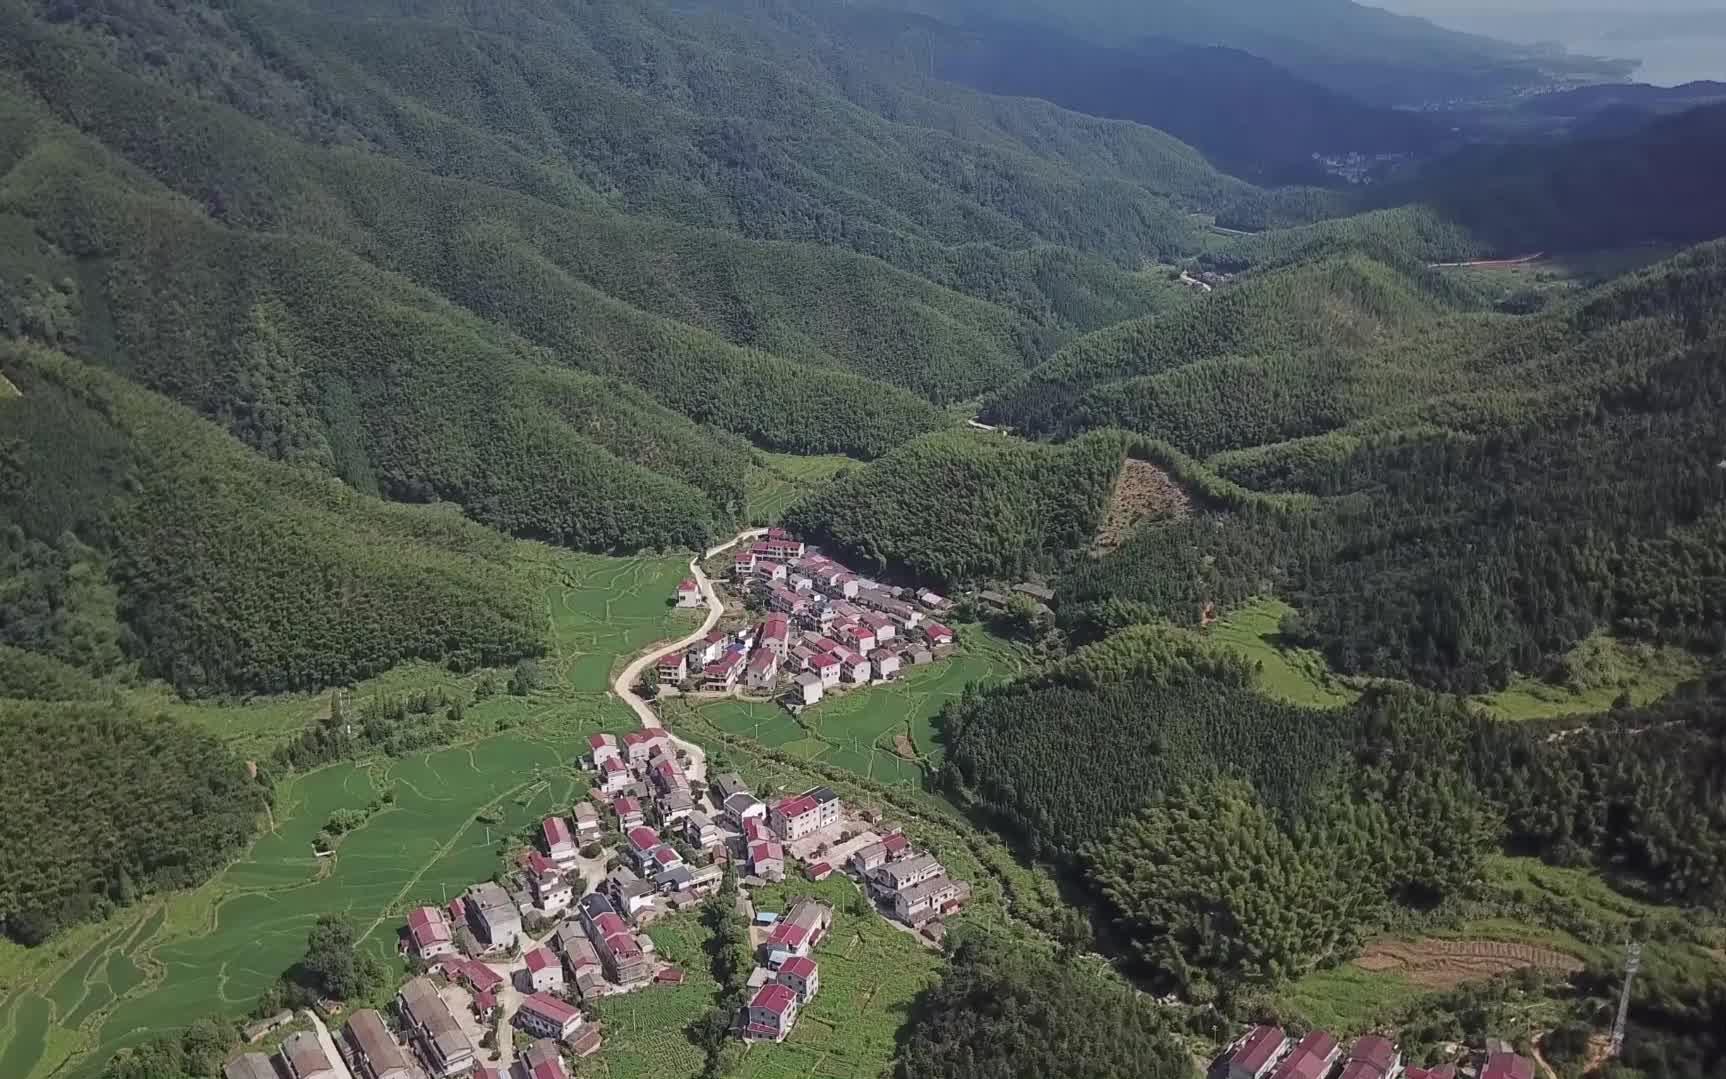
[(533, 952)]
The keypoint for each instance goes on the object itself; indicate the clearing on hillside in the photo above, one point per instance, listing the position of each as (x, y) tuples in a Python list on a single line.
[(1443, 964), (1143, 490)]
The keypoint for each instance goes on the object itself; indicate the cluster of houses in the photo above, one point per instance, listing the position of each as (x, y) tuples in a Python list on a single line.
[(827, 627), (789, 977), (1268, 1052), (563, 931)]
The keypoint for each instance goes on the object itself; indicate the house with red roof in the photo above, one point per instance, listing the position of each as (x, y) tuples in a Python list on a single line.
[(672, 668), (781, 548), (1253, 1056), (884, 627), (689, 593), (826, 667), (542, 1060), (858, 636), (614, 775), (776, 635), (818, 870), (791, 602), (801, 976), (711, 647), (723, 672), (478, 977), (628, 812), (429, 933), (754, 827), (1371, 1057), (602, 747), (938, 634), (543, 972), (545, 1016), (1443, 1071), (552, 891), (559, 841), (794, 818), (767, 860), (1311, 1058), (769, 572), (743, 562), (1505, 1065), (770, 1014), (855, 668), (799, 932)]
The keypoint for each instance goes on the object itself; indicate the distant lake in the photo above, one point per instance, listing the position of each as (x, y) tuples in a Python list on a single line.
[(1666, 61), (1674, 47)]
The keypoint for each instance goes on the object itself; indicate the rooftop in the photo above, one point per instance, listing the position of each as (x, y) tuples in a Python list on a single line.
[(1258, 1048), (550, 1008), (777, 999), (799, 965)]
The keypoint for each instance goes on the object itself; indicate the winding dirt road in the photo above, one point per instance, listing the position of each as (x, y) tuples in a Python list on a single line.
[(624, 686)]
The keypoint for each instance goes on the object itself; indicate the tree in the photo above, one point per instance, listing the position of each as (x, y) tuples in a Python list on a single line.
[(333, 966), (525, 679)]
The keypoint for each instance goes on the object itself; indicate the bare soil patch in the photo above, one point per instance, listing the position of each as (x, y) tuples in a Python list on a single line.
[(1143, 490), (902, 746), (1444, 964)]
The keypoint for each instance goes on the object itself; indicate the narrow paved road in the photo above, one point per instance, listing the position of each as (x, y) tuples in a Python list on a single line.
[(337, 1064), (624, 686)]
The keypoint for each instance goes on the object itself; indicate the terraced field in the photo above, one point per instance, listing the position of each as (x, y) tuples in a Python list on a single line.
[(67, 1007), (871, 731), (776, 480)]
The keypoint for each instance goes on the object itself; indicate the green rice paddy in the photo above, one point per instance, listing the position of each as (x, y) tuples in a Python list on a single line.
[(776, 480), (67, 1007), (859, 730)]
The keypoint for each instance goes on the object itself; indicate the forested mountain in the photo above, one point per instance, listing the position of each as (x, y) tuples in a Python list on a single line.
[(966, 506), (1248, 116), (136, 531), (169, 804), (1250, 840)]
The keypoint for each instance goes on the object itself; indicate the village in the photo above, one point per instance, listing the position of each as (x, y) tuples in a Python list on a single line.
[(825, 629), (1268, 1052), (532, 953)]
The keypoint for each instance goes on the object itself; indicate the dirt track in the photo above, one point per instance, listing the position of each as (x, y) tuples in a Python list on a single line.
[(1441, 964)]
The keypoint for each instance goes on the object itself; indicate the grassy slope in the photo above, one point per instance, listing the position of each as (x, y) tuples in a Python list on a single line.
[(777, 480), (856, 731), (213, 949), (1301, 675)]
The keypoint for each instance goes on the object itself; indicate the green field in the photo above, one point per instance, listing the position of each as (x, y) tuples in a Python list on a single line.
[(1606, 668), (858, 730), (776, 480), (1297, 675), (67, 1006)]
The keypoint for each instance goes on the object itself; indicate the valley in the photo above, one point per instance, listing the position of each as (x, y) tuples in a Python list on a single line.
[(878, 540)]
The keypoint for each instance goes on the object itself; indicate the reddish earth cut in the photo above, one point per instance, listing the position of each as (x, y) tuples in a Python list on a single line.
[(1143, 490), (1443, 964)]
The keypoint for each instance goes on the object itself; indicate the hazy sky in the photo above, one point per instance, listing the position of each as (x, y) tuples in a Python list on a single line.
[(1436, 8), (1669, 53)]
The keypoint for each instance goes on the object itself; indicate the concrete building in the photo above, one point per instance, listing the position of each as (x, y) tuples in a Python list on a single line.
[(372, 1049), (492, 915), (443, 1048), (303, 1057)]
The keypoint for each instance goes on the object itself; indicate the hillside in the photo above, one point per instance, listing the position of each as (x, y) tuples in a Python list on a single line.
[(138, 533), (1248, 116)]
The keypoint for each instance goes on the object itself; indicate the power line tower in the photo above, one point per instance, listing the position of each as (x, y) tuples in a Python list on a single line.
[(1632, 960)]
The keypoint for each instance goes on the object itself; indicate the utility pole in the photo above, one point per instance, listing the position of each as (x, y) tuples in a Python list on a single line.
[(1632, 960)]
